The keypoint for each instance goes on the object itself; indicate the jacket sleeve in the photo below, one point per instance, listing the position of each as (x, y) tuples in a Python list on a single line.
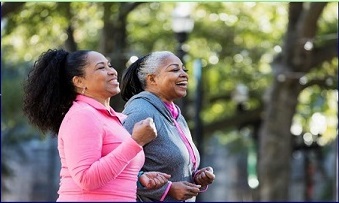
[(153, 194), (134, 116), (82, 137)]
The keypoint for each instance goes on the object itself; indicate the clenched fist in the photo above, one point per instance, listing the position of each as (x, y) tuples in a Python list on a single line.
[(204, 176), (183, 190), (144, 131), (154, 180)]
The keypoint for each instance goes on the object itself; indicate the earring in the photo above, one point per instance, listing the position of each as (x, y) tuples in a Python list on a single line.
[(83, 90)]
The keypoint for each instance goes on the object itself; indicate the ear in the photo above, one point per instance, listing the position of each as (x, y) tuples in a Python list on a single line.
[(78, 82), (151, 79)]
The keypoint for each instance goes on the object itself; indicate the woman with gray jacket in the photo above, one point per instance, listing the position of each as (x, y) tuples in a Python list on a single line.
[(150, 85)]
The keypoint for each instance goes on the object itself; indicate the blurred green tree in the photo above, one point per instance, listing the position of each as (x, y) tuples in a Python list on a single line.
[(272, 48)]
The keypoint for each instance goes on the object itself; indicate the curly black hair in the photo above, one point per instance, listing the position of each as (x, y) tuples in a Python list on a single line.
[(49, 90)]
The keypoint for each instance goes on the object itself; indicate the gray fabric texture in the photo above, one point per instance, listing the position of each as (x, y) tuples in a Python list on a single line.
[(167, 153)]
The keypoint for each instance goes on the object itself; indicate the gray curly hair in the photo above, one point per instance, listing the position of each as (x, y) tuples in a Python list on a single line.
[(151, 64)]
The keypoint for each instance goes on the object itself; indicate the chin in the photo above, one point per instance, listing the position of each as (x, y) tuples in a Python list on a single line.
[(181, 95), (115, 92)]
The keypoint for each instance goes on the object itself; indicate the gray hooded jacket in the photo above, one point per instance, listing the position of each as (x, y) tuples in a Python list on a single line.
[(167, 153)]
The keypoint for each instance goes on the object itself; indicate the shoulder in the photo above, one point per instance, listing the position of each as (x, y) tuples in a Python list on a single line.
[(137, 110), (84, 119), (83, 112), (139, 106)]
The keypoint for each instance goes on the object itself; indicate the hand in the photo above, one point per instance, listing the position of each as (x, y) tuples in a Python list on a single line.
[(154, 180), (144, 131), (204, 176), (183, 190)]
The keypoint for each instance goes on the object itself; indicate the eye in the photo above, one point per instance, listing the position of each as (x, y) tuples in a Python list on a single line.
[(110, 65)]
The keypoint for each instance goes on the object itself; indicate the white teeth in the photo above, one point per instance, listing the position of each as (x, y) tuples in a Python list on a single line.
[(182, 83)]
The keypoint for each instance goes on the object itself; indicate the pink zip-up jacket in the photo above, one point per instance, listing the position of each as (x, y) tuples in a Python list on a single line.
[(99, 159)]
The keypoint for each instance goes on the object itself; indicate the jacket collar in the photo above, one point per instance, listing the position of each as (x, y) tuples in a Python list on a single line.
[(100, 107)]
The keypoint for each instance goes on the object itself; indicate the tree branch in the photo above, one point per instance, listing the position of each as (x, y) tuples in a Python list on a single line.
[(294, 12), (306, 31), (326, 52), (70, 43), (128, 7), (309, 19), (10, 7), (243, 119), (228, 96), (330, 83)]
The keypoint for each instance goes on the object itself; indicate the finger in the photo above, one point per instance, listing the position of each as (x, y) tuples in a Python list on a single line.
[(210, 175), (162, 179), (210, 169), (203, 175), (194, 191), (166, 178), (148, 120), (151, 184), (157, 180), (191, 184), (165, 175)]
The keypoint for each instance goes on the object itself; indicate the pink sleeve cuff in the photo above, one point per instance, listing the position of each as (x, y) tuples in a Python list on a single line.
[(204, 189), (166, 191), (195, 174)]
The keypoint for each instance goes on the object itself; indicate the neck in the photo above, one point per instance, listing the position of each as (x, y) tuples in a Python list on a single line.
[(105, 102)]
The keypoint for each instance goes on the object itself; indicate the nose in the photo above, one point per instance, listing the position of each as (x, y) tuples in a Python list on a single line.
[(112, 71), (183, 73)]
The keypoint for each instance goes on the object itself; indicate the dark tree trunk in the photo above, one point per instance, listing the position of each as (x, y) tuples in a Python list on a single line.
[(275, 141), (65, 9), (294, 62), (10, 7), (113, 41)]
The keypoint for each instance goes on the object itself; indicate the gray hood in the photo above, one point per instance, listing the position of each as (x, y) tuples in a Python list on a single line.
[(154, 101)]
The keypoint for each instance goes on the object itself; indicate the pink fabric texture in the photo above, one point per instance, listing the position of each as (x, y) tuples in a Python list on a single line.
[(99, 159), (166, 191), (175, 113)]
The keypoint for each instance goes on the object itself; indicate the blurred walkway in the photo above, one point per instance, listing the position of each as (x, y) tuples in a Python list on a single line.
[(230, 170), (37, 177)]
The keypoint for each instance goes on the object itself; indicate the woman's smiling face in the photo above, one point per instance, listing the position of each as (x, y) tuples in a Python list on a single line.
[(100, 78), (170, 80)]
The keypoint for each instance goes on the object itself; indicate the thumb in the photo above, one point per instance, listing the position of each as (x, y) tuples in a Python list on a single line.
[(191, 184), (210, 169)]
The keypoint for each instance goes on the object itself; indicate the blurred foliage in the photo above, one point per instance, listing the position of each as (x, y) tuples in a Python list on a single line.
[(236, 42)]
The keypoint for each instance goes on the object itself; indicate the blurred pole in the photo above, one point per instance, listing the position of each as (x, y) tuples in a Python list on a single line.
[(336, 171), (198, 104), (182, 25), (198, 134), (308, 167), (181, 38), (53, 170)]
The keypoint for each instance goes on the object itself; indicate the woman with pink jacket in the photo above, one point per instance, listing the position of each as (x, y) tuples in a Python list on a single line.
[(69, 95)]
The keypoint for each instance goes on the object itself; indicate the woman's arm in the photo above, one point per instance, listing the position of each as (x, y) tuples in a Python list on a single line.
[(82, 136)]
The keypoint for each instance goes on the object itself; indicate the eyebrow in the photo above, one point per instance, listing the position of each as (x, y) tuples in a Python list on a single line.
[(101, 63), (175, 64)]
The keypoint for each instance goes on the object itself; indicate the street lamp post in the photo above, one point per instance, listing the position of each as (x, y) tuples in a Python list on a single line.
[(240, 96), (182, 25)]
